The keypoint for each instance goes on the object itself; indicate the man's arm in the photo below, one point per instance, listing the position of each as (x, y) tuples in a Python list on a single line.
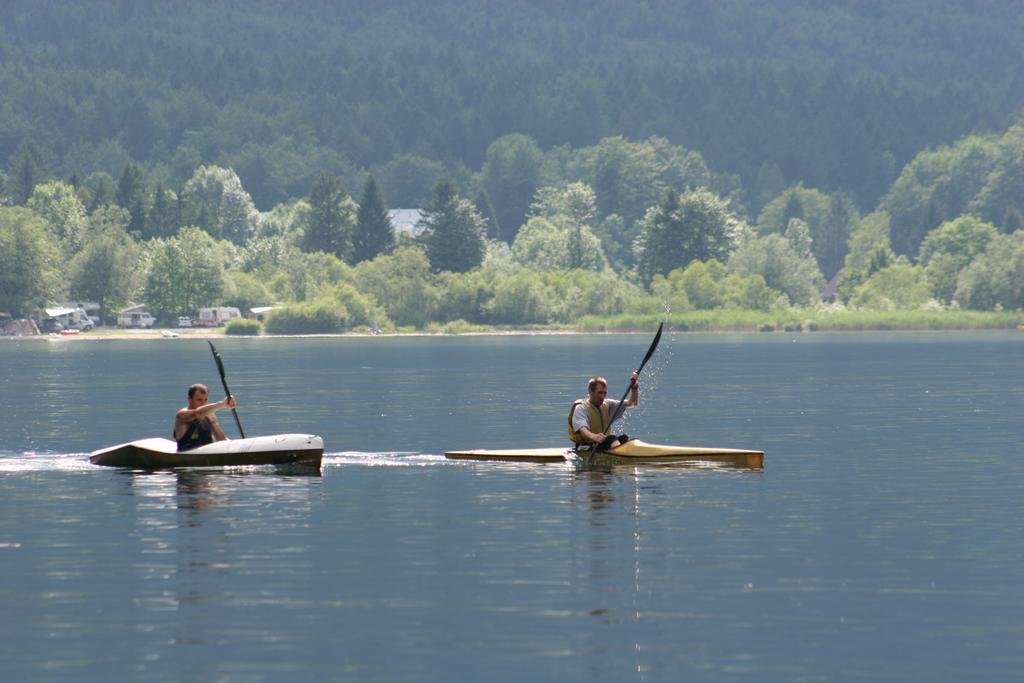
[(218, 433), (186, 415)]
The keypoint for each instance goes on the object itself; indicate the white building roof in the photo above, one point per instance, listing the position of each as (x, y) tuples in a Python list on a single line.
[(406, 220)]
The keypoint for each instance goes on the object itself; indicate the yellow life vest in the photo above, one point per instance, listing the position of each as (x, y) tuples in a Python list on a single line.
[(598, 420)]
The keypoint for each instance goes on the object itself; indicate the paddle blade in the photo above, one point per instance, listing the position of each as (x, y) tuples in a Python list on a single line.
[(654, 345), (216, 357), (647, 357)]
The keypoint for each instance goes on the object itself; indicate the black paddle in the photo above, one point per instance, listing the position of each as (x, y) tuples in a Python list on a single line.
[(224, 381), (650, 352)]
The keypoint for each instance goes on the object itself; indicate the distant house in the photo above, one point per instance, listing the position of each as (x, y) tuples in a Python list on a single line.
[(406, 220), (831, 291)]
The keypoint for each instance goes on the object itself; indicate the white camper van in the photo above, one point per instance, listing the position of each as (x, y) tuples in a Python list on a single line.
[(215, 316)]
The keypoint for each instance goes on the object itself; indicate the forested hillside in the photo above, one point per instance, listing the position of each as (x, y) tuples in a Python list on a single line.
[(835, 95), (570, 158)]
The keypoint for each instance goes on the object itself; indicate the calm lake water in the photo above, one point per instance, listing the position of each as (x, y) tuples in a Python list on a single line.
[(882, 541)]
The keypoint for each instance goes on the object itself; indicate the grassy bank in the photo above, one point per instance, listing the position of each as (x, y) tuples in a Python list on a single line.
[(809, 320)]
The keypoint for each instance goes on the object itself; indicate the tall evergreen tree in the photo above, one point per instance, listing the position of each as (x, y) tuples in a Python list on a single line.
[(102, 193), (162, 220), (26, 173), (331, 219), (485, 207), (794, 208), (454, 230), (374, 233), (131, 195)]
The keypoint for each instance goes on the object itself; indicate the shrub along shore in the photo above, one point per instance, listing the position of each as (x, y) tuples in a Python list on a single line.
[(723, 320)]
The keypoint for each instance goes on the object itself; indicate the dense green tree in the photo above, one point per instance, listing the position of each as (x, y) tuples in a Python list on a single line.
[(186, 273), (511, 175), (214, 200), (101, 190), (830, 219), (869, 251), (26, 171), (936, 186), (695, 227), (332, 218), (27, 261), (995, 278), (408, 180), (373, 233), (403, 284), (485, 207), (712, 286), (784, 262), (163, 219), (131, 195), (106, 268), (949, 248), (453, 230), (557, 243), (58, 204), (899, 286), (629, 177), (573, 209)]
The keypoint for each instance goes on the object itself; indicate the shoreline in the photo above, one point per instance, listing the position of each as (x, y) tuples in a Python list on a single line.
[(205, 335)]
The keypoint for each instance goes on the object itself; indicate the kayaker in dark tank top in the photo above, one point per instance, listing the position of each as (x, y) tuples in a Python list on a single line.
[(196, 425)]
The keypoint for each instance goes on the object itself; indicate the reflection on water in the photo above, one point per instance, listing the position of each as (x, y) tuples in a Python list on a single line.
[(882, 541)]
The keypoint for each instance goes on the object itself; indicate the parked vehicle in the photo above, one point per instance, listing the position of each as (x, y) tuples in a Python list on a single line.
[(131, 318), (184, 321), (215, 316)]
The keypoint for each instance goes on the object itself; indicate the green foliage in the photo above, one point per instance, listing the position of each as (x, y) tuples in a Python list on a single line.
[(322, 316), (303, 276), (898, 286), (708, 285), (244, 291), (403, 284), (949, 248), (995, 278), (27, 261), (784, 263), (695, 227), (373, 233), (58, 204), (629, 177), (26, 171), (830, 220), (110, 265), (186, 273), (557, 244), (980, 175), (869, 252), (245, 327), (521, 299), (409, 180), (454, 232), (214, 200), (131, 195), (511, 174), (332, 218)]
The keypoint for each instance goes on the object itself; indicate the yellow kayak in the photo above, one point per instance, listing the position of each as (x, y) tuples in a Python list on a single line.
[(633, 452)]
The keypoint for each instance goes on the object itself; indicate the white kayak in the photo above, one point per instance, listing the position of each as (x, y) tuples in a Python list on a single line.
[(633, 452), (157, 453)]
